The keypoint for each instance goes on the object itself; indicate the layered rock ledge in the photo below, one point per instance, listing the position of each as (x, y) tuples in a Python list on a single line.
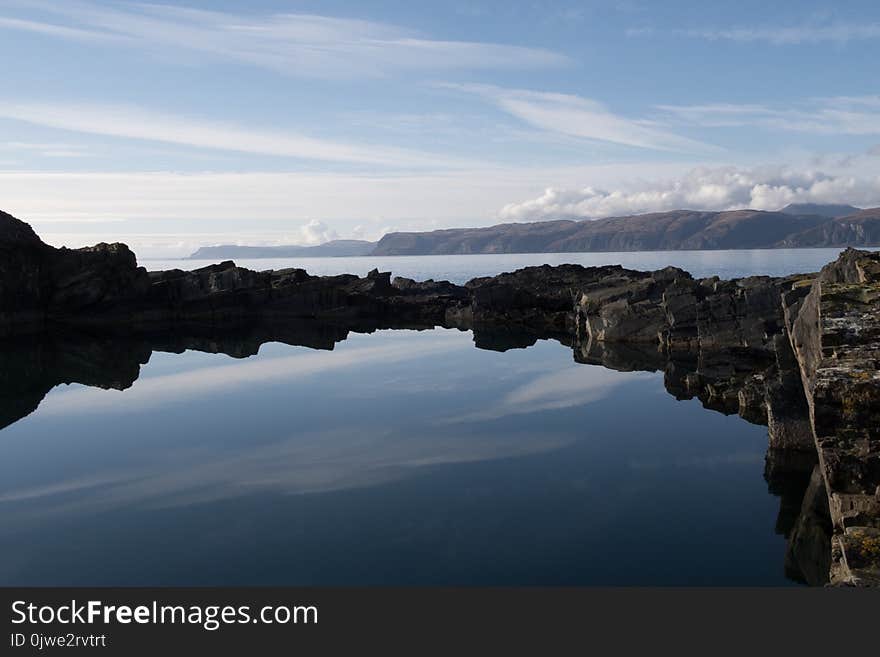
[(837, 337), (800, 354)]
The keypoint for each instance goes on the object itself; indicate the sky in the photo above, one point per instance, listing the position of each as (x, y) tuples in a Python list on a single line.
[(174, 126)]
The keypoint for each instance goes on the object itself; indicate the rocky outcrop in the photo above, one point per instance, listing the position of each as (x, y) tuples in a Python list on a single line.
[(103, 288), (837, 336), (39, 282), (669, 308)]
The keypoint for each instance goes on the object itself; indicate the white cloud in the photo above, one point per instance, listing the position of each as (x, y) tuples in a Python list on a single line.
[(582, 117), (314, 232), (296, 44), (853, 115), (721, 188), (132, 122)]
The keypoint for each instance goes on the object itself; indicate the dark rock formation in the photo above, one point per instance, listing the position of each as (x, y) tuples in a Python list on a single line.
[(38, 282), (102, 287), (24, 272)]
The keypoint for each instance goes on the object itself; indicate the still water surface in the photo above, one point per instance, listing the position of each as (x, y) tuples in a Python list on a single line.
[(461, 268), (398, 458)]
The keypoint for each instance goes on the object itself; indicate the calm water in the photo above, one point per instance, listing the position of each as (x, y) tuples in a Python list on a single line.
[(400, 457), (461, 268)]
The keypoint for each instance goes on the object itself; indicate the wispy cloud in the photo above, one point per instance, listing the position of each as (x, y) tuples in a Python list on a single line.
[(580, 117), (61, 31), (45, 149), (845, 115), (132, 122), (296, 44)]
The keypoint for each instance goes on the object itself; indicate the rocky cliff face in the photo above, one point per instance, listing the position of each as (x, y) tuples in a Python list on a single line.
[(39, 282), (837, 337)]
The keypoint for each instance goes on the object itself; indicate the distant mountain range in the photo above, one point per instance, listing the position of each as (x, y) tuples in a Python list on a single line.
[(795, 226), (830, 211), (334, 248)]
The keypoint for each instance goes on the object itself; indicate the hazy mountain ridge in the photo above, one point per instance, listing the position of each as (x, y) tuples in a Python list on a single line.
[(334, 248), (830, 210), (658, 231), (859, 229), (821, 226)]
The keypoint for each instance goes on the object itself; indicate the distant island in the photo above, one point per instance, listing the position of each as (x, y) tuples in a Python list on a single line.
[(334, 248), (794, 226)]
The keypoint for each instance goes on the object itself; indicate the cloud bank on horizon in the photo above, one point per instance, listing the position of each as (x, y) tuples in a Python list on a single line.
[(724, 188), (173, 126)]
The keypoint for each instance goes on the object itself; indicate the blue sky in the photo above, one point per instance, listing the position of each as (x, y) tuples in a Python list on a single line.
[(174, 126)]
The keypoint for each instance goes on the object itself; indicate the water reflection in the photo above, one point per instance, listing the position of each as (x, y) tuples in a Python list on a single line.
[(402, 457)]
